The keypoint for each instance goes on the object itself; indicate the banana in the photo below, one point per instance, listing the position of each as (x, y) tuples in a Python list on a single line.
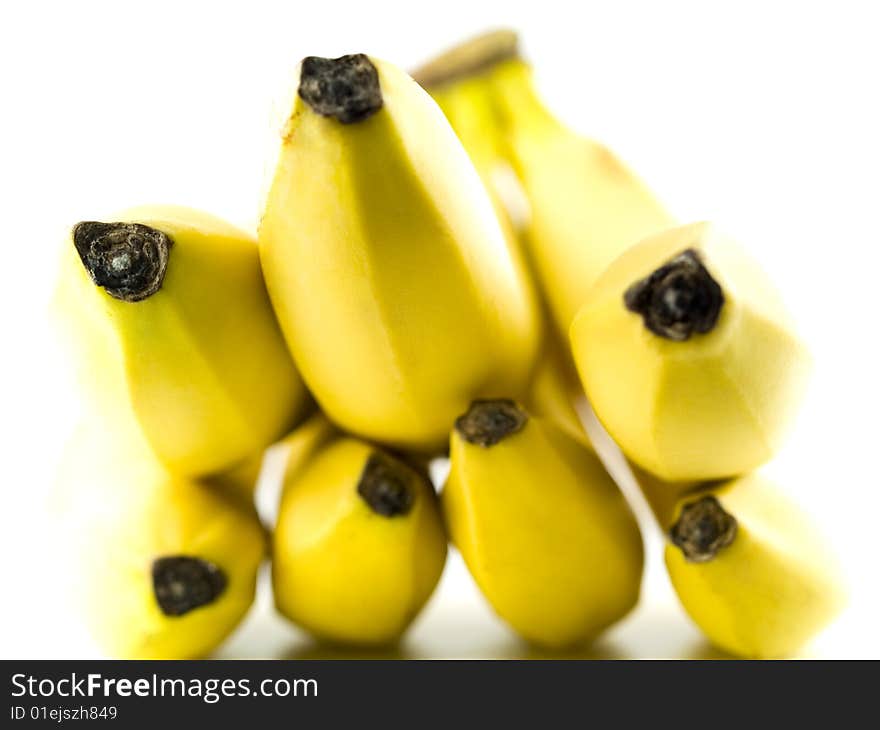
[(748, 566), (471, 113), (359, 545), (240, 482), (168, 317), (662, 497), (303, 443), (468, 106), (585, 205), (552, 395), (543, 529), (269, 466), (688, 356), (469, 110), (388, 269), (750, 569), (459, 83), (164, 566)]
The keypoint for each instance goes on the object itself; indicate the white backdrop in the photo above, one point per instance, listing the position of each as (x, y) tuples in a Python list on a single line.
[(762, 116)]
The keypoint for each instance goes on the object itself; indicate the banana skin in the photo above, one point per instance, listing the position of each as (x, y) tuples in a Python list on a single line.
[(167, 317), (240, 482), (576, 205), (359, 545), (460, 82), (552, 393), (750, 569), (302, 444), (164, 567), (543, 529), (688, 356), (585, 205), (387, 266)]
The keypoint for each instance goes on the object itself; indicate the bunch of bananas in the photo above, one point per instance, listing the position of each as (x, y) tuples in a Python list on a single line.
[(399, 302)]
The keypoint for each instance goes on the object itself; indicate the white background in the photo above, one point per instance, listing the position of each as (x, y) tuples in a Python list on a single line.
[(762, 116)]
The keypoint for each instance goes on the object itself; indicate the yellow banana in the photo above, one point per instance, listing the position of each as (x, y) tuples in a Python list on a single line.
[(459, 83), (473, 59), (750, 569), (469, 110), (552, 395), (586, 206), (239, 482), (688, 356), (471, 113), (389, 272), (359, 545), (303, 443), (169, 319), (662, 497), (543, 529), (468, 106), (289, 453), (165, 567)]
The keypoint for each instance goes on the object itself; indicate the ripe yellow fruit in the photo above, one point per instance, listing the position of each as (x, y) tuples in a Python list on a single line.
[(662, 497), (164, 566), (168, 318), (459, 81), (688, 357), (240, 482), (586, 206), (750, 569), (468, 106), (553, 392), (470, 111), (544, 531), (302, 444), (388, 269), (359, 545)]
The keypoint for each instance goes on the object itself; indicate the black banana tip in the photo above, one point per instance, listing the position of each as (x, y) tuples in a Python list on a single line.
[(678, 299), (128, 260), (182, 583), (385, 485), (703, 529), (345, 88), (489, 421)]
